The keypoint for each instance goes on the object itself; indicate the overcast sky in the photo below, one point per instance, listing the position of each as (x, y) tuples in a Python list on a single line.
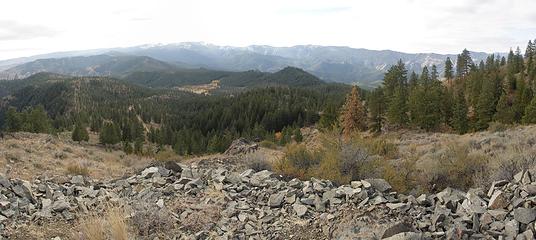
[(29, 27)]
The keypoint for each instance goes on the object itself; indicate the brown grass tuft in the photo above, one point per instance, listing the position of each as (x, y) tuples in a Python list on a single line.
[(91, 228), (118, 225), (77, 169)]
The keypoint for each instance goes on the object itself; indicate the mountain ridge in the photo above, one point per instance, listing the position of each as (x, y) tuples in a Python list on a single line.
[(360, 66)]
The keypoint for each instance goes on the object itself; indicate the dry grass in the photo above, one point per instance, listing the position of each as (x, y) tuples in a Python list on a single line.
[(118, 225), (167, 154), (92, 228), (26, 155), (77, 169), (110, 226)]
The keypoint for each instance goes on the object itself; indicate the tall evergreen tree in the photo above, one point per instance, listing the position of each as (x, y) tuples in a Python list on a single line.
[(505, 113), (530, 113), (353, 116), (79, 132), (522, 98), (396, 94), (460, 123), (425, 101), (397, 108), (464, 64), (110, 134), (377, 108), (487, 101), (13, 120), (449, 72)]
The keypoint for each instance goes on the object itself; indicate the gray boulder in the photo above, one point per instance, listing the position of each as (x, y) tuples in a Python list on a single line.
[(379, 184), (525, 215)]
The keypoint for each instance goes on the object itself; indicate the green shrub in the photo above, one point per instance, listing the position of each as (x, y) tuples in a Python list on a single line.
[(497, 127), (268, 144)]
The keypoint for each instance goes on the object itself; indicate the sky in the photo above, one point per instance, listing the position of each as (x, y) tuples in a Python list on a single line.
[(29, 27)]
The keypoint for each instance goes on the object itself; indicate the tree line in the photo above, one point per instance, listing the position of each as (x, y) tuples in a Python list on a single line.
[(469, 98)]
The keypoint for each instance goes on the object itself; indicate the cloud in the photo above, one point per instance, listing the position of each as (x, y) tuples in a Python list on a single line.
[(13, 30), (315, 11), (140, 19)]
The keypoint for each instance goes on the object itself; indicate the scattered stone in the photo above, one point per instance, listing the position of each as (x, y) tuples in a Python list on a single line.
[(262, 205), (400, 227), (149, 172), (379, 184), (276, 200), (60, 205), (498, 200), (299, 209), (525, 215), (78, 180), (241, 146), (173, 166)]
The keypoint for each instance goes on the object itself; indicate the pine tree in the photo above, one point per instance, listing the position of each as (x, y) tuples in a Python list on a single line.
[(434, 75), (328, 119), (353, 115), (447, 104), (377, 107), (425, 101), (522, 98), (298, 135), (138, 146), (413, 80), (398, 108), (530, 113), (127, 148), (37, 121), (449, 72), (110, 134), (486, 105), (79, 133), (13, 120), (396, 94), (460, 123), (505, 112), (464, 64)]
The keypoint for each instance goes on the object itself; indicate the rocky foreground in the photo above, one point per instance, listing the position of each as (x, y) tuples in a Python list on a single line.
[(203, 203)]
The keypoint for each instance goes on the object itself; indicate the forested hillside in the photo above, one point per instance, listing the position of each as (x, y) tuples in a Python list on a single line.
[(288, 76), (190, 123)]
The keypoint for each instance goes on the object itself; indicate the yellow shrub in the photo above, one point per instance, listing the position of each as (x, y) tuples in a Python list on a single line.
[(296, 162), (382, 147), (77, 169), (330, 168)]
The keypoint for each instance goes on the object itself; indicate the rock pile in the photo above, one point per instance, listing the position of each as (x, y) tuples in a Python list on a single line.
[(263, 205), (241, 146)]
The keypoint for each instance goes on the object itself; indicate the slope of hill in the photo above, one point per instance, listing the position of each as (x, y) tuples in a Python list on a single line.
[(184, 197), (289, 76), (98, 65), (330, 63), (208, 123)]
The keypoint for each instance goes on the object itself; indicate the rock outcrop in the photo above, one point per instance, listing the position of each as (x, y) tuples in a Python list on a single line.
[(263, 205), (241, 146)]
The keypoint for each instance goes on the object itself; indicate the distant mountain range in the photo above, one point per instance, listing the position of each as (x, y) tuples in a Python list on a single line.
[(338, 64)]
